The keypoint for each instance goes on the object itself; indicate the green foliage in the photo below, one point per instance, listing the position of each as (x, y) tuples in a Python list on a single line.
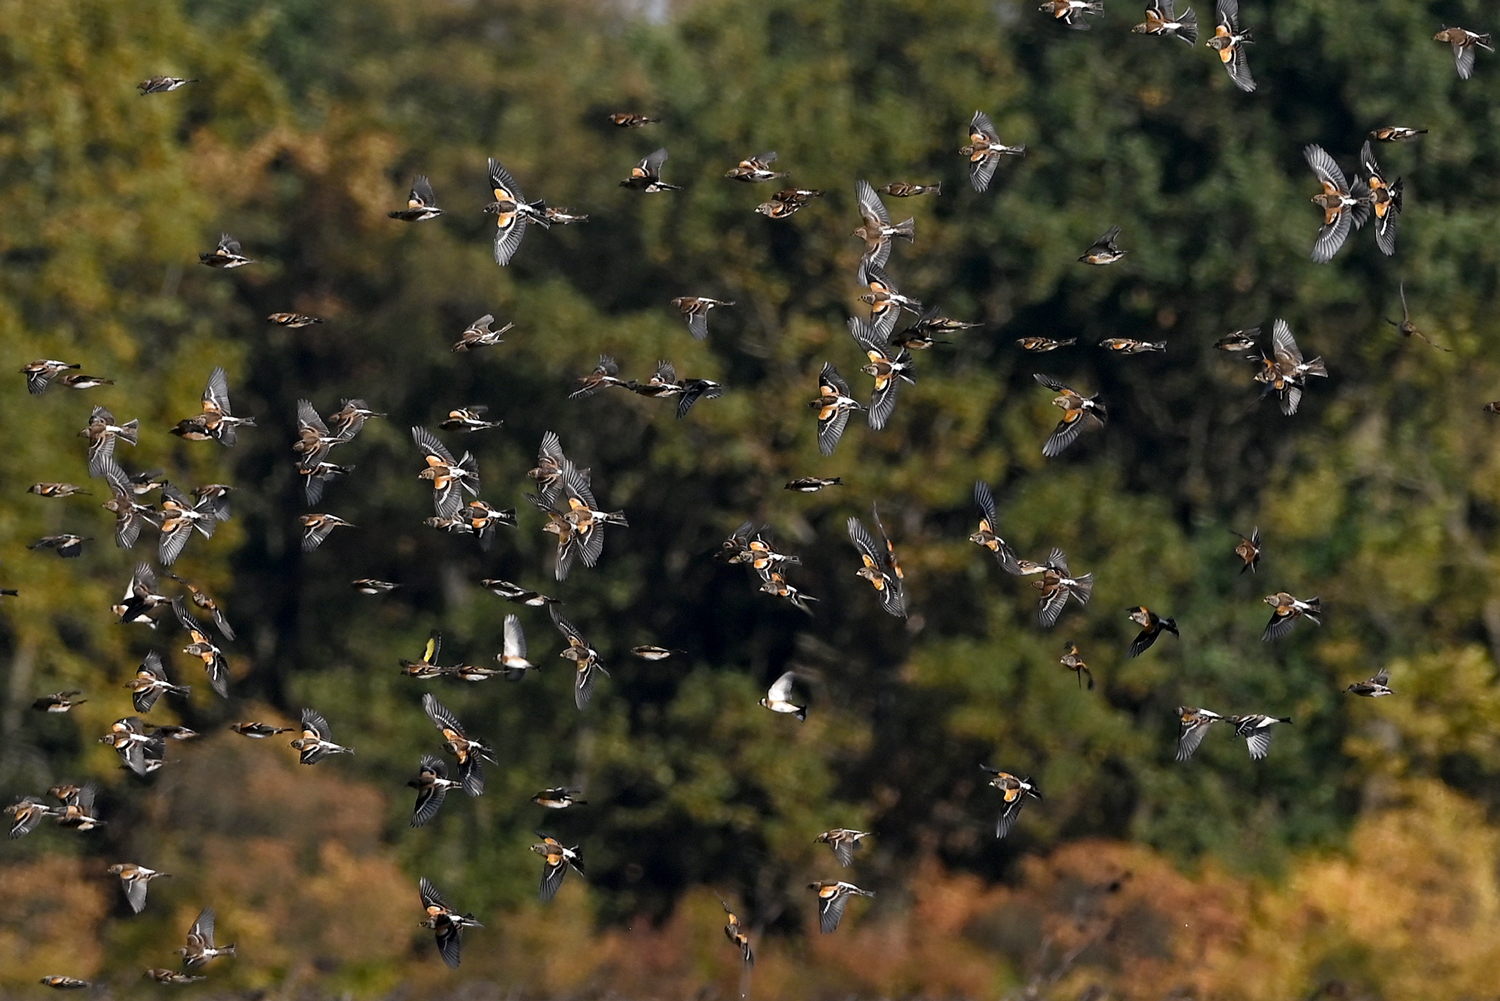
[(306, 127)]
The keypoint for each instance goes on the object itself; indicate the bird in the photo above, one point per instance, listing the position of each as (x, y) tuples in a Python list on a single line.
[(563, 216), (888, 371), (918, 336), (150, 683), (579, 525), (217, 421), (200, 942), (40, 373), (646, 175), (986, 536), (61, 983), (1286, 610), (135, 746), (877, 231), (161, 84), (1073, 662), (512, 212), (833, 896), (694, 309), (514, 592), (58, 702), (558, 798), (605, 373), (1192, 726), (556, 860), (834, 404), (1408, 329), (1464, 42), (584, 657), (315, 442), (1238, 340), (1152, 626), (778, 697), (906, 189), (427, 666), (652, 652), (1343, 204), (1071, 12), (1229, 41), (1078, 412), (1385, 200), (1131, 346), (163, 976), (479, 335), (735, 932), (1256, 729), (134, 880), (631, 120), (446, 922), (513, 657), (844, 843), (773, 581), (141, 601), (259, 731), (101, 433), (318, 527), (226, 255), (421, 204), (67, 546), (783, 203), (1375, 687), (1057, 585), (755, 168), (1161, 20), (468, 751), (449, 477), (879, 567), (1041, 345), (1248, 549), (432, 785), (218, 496), (1105, 250), (293, 320), (372, 585), (1286, 372), (812, 484), (694, 390), (202, 600), (179, 519), (1014, 790), (28, 812), (314, 745), (984, 150), (1396, 134)]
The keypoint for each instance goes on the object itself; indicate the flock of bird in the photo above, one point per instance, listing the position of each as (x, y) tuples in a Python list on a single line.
[(565, 492)]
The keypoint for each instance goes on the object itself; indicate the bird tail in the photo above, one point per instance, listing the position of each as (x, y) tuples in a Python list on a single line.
[(1189, 30), (1170, 625), (906, 230), (130, 431)]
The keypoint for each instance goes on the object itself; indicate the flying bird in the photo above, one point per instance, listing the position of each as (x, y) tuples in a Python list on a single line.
[(1014, 790), (1229, 41), (512, 212), (421, 204), (446, 922), (1161, 20), (1343, 204)]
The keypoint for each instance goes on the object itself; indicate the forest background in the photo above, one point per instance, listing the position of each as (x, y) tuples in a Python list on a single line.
[(1362, 853)]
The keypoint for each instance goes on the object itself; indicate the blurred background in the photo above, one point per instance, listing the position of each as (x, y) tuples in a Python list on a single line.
[(1360, 856)]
